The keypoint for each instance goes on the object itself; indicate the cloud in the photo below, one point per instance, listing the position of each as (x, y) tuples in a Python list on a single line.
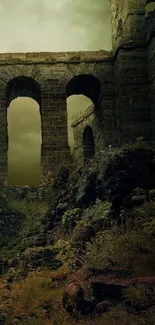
[(49, 25)]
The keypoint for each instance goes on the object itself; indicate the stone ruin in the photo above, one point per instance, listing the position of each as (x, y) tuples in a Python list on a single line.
[(120, 83)]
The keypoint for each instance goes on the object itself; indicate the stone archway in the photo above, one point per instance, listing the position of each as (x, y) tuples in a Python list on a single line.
[(88, 143), (24, 142), (83, 91), (21, 87), (84, 84)]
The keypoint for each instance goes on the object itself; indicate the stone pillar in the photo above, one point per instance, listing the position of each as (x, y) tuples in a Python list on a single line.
[(3, 143), (132, 93), (55, 149), (131, 71)]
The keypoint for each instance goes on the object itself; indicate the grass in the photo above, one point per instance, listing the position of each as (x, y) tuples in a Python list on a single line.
[(26, 222), (139, 297), (37, 301), (126, 250), (34, 212)]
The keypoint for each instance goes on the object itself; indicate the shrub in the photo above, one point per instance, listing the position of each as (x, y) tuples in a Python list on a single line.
[(149, 228), (33, 211), (111, 248), (70, 219), (139, 297)]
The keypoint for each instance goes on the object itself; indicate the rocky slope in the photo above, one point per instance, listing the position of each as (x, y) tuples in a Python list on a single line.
[(85, 255)]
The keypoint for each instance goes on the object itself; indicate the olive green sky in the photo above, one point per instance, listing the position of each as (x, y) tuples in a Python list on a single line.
[(46, 25)]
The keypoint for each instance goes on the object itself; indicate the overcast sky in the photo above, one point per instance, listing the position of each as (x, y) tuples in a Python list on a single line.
[(46, 25), (54, 25)]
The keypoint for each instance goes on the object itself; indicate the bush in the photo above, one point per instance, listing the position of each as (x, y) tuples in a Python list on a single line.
[(18, 222), (33, 211), (70, 219), (149, 228), (139, 297), (111, 248)]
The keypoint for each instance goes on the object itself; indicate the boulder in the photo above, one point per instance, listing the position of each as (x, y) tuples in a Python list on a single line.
[(74, 300)]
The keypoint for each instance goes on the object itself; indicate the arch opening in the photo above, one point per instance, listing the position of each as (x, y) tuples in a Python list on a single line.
[(88, 144), (76, 107), (83, 91), (22, 87), (84, 84), (24, 132)]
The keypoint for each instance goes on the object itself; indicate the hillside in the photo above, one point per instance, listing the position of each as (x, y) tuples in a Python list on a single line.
[(85, 253)]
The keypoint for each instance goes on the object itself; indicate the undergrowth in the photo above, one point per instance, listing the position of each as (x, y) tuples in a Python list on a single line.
[(23, 220)]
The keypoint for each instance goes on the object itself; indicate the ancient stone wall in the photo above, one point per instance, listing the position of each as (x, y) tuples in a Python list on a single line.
[(132, 92), (126, 113), (44, 77), (128, 20), (132, 73), (120, 84), (79, 124)]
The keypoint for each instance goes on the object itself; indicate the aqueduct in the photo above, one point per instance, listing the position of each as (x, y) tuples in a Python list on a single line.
[(121, 84)]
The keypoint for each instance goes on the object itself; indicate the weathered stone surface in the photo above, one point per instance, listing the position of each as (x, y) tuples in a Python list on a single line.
[(29, 74), (74, 300)]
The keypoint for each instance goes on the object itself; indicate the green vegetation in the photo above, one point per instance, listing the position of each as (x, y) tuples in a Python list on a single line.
[(33, 211), (42, 257), (112, 248), (133, 249), (70, 219), (19, 221), (139, 297), (36, 299)]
